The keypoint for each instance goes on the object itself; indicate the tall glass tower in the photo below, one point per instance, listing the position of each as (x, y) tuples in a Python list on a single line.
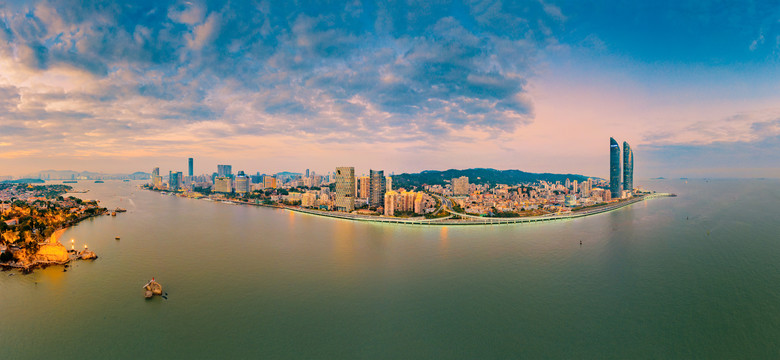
[(614, 168), (189, 162), (377, 188), (628, 167)]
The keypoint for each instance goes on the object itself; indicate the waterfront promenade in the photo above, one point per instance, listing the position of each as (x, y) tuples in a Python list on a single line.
[(459, 218), (467, 219)]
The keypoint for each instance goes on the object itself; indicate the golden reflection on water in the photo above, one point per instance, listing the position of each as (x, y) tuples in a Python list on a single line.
[(344, 244), (52, 275), (444, 242)]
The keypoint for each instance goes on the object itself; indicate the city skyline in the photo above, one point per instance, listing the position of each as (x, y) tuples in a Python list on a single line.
[(528, 85)]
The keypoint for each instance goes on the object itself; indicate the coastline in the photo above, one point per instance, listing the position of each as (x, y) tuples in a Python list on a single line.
[(56, 250), (475, 220), (467, 219)]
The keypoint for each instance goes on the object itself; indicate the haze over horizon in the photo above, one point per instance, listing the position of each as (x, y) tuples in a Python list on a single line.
[(538, 86)]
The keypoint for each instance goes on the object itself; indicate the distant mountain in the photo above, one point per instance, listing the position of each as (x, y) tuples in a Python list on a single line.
[(70, 174), (480, 176)]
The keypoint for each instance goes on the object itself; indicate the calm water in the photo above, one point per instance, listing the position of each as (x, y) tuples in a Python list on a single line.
[(695, 276)]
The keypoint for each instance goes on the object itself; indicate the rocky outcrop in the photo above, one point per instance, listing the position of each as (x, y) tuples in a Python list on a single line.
[(51, 253), (152, 288), (87, 254)]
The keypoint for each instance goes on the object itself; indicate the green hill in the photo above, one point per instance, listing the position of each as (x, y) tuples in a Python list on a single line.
[(479, 176)]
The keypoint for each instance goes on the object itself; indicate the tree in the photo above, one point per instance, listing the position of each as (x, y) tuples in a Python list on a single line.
[(6, 256)]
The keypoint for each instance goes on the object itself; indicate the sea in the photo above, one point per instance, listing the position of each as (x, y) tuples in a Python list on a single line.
[(693, 276)]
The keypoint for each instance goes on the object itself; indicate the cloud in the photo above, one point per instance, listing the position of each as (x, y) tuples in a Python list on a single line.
[(750, 126), (204, 33), (553, 10), (89, 76), (757, 42), (187, 13)]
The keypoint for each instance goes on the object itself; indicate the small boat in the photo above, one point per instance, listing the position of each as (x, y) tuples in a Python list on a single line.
[(120, 210), (117, 238), (99, 181), (113, 213)]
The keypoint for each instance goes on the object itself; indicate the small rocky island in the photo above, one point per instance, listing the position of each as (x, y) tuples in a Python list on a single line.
[(152, 288)]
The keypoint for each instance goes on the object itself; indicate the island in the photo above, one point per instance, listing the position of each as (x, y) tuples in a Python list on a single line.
[(32, 219)]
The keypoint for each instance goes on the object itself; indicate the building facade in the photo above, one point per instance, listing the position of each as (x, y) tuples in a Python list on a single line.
[(377, 188), (242, 184), (189, 167), (365, 185), (614, 168), (345, 188), (269, 182), (224, 170), (174, 180), (460, 186), (628, 167), (222, 184)]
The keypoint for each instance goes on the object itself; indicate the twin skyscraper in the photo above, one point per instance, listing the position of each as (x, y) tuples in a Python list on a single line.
[(614, 168)]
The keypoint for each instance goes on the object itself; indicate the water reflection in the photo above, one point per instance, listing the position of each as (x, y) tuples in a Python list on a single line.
[(344, 244), (444, 242)]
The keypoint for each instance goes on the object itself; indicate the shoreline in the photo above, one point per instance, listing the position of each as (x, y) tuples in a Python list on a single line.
[(475, 220), (467, 219), (29, 267)]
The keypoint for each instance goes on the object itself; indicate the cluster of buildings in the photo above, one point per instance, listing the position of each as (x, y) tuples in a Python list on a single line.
[(375, 193), (344, 191), (225, 182), (542, 196), (341, 191)]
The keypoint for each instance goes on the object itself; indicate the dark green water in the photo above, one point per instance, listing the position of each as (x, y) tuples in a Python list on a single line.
[(248, 282)]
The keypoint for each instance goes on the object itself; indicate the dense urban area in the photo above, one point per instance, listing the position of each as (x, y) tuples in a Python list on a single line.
[(374, 193)]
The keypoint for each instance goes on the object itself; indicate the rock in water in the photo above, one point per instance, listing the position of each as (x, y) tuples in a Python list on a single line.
[(87, 254), (153, 288), (156, 288)]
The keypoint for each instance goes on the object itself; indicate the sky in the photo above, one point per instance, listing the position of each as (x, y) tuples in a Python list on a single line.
[(404, 86)]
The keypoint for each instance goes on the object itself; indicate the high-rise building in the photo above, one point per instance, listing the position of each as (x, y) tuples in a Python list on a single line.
[(614, 168), (345, 188), (377, 188), (269, 182), (390, 198), (222, 184), (225, 170), (189, 171), (174, 180), (308, 199), (388, 183), (365, 184), (156, 171), (460, 186), (242, 183), (307, 172), (406, 201), (157, 181), (628, 167)]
